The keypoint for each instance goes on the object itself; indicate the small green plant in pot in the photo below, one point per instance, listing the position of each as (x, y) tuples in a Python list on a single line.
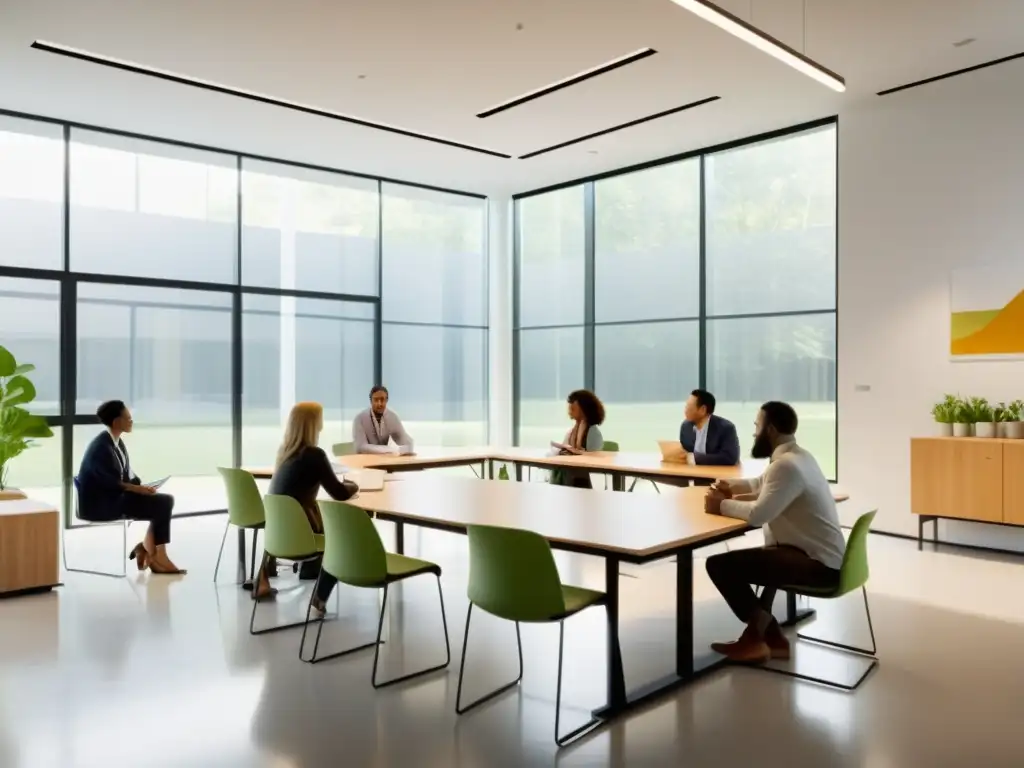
[(944, 413), (963, 418), (18, 427), (1014, 425), (984, 417)]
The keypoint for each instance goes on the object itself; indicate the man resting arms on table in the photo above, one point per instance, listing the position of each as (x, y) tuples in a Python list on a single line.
[(803, 541)]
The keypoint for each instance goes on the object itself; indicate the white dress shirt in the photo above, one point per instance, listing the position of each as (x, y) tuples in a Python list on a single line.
[(700, 442), (794, 504)]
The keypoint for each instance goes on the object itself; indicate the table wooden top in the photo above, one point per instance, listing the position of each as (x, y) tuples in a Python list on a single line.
[(633, 526), (14, 507), (634, 463)]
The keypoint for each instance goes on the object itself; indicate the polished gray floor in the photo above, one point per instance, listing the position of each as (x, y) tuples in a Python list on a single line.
[(158, 671)]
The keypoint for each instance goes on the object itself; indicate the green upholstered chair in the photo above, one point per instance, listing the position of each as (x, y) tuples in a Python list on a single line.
[(343, 449), (853, 575), (512, 575), (288, 536), (354, 555), (245, 510)]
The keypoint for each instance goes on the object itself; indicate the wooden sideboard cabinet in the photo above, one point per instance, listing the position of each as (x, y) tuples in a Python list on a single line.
[(966, 478)]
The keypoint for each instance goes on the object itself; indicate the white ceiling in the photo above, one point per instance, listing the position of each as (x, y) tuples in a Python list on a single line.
[(431, 66)]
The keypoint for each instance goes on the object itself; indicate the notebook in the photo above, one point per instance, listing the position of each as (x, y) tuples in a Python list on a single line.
[(367, 479)]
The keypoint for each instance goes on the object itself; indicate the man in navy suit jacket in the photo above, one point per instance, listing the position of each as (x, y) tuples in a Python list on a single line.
[(706, 438)]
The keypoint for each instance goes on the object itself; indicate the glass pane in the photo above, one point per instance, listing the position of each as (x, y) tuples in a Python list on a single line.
[(296, 349), (752, 360), (647, 244), (308, 230), (550, 367), (551, 258), (643, 373), (167, 354), (31, 194), (30, 318), (435, 262), (37, 471), (437, 381), (189, 453), (146, 209), (771, 230)]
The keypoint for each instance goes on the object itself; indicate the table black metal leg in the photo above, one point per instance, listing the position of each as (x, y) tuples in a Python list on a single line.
[(519, 473), (616, 672), (618, 482), (241, 555), (794, 615), (399, 538), (490, 469), (684, 615), (920, 533)]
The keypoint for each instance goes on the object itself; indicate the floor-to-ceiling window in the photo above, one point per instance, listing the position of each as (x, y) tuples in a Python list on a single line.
[(211, 291), (434, 303), (715, 270)]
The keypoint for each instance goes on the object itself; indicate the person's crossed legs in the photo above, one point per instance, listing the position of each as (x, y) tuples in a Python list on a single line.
[(734, 572)]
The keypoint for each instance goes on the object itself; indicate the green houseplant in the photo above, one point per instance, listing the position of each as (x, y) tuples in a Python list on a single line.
[(944, 413), (963, 418), (18, 427), (1013, 428), (982, 417)]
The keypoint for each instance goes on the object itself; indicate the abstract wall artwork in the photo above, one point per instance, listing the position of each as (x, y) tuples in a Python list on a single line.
[(987, 312)]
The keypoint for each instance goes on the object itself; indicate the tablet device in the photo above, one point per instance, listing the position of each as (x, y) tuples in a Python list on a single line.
[(671, 450), (155, 485)]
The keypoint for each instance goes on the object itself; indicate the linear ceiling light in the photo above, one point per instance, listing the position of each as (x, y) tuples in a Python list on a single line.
[(763, 42), (209, 85), (565, 82)]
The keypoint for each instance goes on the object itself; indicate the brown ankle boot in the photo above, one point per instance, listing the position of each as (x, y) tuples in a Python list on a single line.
[(749, 649), (777, 642)]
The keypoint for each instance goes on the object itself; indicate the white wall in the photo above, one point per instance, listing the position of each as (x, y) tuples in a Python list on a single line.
[(929, 180)]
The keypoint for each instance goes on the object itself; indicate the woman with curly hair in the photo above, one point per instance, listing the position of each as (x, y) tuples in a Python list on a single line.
[(587, 412)]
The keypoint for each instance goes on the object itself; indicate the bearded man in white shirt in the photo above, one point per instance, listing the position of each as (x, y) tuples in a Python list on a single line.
[(804, 544)]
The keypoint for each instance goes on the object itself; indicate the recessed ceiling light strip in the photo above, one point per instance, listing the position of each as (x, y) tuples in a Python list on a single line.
[(565, 82), (128, 66), (763, 42)]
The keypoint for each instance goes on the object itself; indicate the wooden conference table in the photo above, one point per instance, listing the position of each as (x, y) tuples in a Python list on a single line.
[(617, 527)]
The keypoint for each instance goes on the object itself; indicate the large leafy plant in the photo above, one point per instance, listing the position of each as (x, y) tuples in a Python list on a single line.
[(18, 427)]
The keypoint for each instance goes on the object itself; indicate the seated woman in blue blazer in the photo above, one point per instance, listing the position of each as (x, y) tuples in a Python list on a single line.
[(108, 489)]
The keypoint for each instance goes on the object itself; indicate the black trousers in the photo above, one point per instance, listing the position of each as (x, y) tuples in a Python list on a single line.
[(155, 508), (769, 567)]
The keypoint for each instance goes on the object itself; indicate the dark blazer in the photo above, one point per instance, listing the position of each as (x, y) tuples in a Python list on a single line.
[(100, 478), (722, 445), (301, 477)]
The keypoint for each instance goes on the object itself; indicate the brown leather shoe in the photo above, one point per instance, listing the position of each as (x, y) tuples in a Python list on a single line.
[(749, 649), (777, 642)]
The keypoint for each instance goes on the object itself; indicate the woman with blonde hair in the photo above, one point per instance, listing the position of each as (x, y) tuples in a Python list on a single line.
[(301, 468)]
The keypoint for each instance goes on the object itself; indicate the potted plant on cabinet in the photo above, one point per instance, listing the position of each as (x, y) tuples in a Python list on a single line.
[(18, 427), (1014, 426), (983, 417), (944, 413), (1001, 416), (962, 418)]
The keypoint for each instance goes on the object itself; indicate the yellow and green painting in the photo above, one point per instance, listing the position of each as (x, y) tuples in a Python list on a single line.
[(987, 312)]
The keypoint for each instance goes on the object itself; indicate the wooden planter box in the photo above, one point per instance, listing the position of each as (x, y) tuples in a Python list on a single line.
[(29, 547)]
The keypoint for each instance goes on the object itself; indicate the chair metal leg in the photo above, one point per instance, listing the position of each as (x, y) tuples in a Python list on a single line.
[(252, 568), (869, 655), (633, 485), (277, 628), (314, 659), (220, 552), (403, 678), (124, 548), (459, 709), (587, 726)]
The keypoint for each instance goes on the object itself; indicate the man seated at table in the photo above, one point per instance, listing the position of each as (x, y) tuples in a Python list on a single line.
[(803, 542), (378, 430), (706, 438)]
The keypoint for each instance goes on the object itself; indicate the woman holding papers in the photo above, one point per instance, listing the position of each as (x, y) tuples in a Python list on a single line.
[(108, 489), (587, 412), (301, 469)]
